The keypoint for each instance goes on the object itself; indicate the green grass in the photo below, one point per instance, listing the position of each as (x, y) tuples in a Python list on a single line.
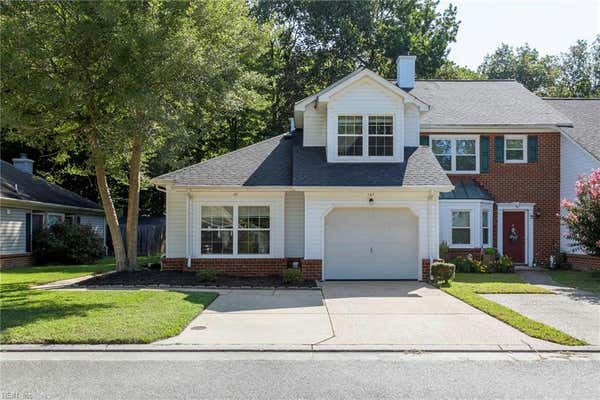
[(98, 316), (468, 287), (578, 279)]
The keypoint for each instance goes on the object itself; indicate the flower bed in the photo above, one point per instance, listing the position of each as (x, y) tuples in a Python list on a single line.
[(153, 278)]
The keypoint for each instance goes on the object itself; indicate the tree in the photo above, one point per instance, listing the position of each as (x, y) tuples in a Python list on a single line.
[(523, 64), (583, 215), (579, 71), (449, 70), (317, 42), (118, 81)]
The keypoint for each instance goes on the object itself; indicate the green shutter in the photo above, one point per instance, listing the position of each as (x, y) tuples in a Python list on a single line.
[(424, 140), (499, 149), (532, 148), (484, 154)]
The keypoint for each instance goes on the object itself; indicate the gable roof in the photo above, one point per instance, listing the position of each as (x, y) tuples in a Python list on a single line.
[(484, 102), (283, 161), (585, 114), (349, 79), (18, 185)]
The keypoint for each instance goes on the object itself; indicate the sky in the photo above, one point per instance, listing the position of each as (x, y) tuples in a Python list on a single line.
[(550, 26)]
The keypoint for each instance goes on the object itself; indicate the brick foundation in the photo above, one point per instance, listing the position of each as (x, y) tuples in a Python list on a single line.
[(452, 253), (426, 266), (311, 269), (15, 260), (583, 262)]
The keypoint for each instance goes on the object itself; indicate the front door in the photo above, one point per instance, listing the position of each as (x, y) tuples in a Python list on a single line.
[(513, 231)]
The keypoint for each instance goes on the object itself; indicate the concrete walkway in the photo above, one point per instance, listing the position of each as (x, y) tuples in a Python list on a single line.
[(572, 311), (348, 314)]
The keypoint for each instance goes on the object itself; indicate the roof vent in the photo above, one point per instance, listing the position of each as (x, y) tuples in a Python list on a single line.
[(23, 164)]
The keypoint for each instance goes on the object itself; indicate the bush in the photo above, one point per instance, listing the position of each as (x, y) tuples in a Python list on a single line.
[(465, 264), (292, 276), (490, 251), (442, 272), (504, 264), (67, 244), (206, 275)]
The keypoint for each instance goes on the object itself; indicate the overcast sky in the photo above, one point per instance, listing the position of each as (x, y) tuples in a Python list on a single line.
[(550, 26)]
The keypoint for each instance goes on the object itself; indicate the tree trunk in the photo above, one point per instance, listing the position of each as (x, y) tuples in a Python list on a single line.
[(133, 202), (109, 208)]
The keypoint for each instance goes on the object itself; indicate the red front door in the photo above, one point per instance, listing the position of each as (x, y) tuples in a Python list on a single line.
[(513, 240)]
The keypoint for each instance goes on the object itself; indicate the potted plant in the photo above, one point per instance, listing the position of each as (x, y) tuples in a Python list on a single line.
[(489, 255)]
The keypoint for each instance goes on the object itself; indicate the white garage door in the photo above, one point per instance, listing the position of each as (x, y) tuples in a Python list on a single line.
[(371, 243)]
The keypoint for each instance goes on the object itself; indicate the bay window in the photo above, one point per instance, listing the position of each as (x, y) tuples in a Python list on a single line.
[(365, 136), (515, 149), (457, 153), (233, 230), (461, 227), (485, 228)]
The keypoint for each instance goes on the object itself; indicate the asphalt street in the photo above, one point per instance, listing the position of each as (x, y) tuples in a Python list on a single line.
[(299, 376)]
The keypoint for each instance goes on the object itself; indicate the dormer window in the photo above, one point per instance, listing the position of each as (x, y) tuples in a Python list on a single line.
[(381, 135), (372, 135), (350, 135)]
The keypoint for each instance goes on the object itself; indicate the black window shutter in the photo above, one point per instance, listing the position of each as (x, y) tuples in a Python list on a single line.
[(499, 149), (532, 148), (28, 232), (424, 140), (484, 154)]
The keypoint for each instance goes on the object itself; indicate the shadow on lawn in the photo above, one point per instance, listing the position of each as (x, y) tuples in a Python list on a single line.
[(22, 306)]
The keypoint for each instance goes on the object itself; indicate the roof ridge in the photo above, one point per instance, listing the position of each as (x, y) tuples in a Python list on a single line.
[(220, 156), (41, 180)]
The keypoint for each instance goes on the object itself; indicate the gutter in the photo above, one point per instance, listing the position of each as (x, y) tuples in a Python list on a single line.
[(7, 201)]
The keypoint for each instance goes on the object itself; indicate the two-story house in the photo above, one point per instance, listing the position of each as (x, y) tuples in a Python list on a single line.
[(373, 177)]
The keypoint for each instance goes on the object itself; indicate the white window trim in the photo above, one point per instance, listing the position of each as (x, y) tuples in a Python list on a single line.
[(489, 227), (453, 139), (471, 218), (234, 254), (365, 142), (524, 147)]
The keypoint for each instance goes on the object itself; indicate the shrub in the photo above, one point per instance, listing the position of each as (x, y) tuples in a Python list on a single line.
[(581, 216), (465, 264), (292, 276), (206, 275), (504, 265), (444, 249), (68, 244), (490, 251), (442, 272)]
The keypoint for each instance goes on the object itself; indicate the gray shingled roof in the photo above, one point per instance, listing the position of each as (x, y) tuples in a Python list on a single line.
[(585, 114), (283, 161), (18, 185), (466, 189), (489, 102)]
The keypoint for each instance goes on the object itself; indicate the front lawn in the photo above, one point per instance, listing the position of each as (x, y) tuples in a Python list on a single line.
[(467, 288), (111, 316), (589, 281)]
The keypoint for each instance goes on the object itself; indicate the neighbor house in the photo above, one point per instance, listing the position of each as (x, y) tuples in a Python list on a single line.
[(375, 174), (580, 155), (28, 203)]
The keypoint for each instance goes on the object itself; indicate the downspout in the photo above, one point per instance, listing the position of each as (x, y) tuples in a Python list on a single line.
[(187, 229)]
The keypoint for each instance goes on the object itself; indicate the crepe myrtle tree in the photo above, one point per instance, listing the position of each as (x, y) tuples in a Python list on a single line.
[(582, 216)]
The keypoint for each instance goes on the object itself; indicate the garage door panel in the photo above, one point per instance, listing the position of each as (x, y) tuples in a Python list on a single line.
[(371, 243)]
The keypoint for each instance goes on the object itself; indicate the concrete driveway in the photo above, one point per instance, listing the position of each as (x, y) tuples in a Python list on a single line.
[(347, 313)]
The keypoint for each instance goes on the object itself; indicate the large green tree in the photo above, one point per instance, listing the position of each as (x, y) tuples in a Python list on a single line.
[(120, 81), (318, 42), (524, 64)]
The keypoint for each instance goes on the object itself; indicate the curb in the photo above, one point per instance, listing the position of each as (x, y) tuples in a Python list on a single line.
[(302, 348)]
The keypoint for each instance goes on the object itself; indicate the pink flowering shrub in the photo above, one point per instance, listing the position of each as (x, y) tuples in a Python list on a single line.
[(582, 216)]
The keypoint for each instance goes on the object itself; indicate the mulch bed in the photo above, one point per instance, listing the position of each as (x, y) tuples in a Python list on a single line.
[(154, 278)]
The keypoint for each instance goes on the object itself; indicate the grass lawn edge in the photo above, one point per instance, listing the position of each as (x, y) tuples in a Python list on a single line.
[(518, 321)]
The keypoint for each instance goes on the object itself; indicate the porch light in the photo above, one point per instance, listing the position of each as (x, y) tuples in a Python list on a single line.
[(371, 200), (538, 212)]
